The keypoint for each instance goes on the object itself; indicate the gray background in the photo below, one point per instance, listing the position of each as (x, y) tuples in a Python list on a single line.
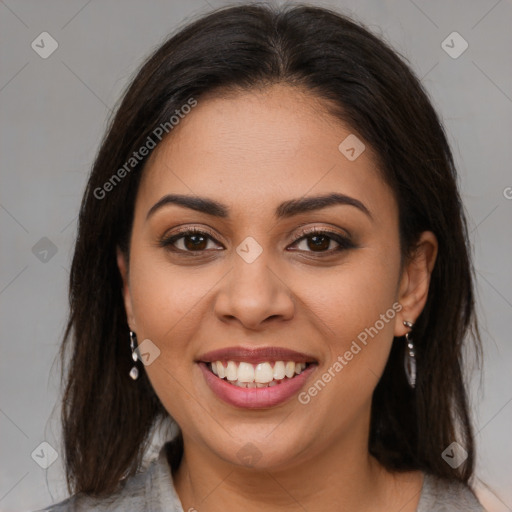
[(53, 115)]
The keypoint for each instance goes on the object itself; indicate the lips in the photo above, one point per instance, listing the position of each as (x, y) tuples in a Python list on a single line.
[(256, 355), (260, 389)]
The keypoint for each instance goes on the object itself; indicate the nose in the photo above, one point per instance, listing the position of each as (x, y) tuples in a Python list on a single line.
[(254, 294)]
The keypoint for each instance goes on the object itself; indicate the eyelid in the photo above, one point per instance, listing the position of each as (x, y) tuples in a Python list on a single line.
[(326, 230), (187, 229)]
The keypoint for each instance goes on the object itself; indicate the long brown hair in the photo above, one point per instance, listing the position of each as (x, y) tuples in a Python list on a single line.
[(107, 419)]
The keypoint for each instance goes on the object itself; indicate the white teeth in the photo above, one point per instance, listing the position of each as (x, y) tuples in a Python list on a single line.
[(245, 372), (289, 369), (260, 375), (279, 370), (220, 369), (299, 367), (263, 373), (231, 371)]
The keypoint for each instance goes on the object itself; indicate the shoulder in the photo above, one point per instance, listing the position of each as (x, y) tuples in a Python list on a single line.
[(148, 491), (131, 495), (446, 496)]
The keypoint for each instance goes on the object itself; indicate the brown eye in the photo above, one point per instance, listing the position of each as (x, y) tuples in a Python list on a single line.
[(313, 241), (319, 241), (192, 240), (195, 242)]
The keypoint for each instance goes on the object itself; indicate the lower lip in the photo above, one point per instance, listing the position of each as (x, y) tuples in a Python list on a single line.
[(255, 398)]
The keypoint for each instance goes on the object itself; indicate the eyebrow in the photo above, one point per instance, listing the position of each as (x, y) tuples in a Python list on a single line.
[(284, 210)]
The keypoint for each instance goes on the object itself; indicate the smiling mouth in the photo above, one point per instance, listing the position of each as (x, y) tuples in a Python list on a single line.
[(261, 375)]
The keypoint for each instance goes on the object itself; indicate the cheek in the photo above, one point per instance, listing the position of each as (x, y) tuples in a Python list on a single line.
[(164, 300), (352, 296), (358, 304), (166, 304)]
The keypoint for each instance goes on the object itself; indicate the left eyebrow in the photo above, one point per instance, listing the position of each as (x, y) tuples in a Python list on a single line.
[(284, 210), (307, 204)]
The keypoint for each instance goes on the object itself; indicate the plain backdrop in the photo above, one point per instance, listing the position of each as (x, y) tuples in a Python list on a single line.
[(54, 112)]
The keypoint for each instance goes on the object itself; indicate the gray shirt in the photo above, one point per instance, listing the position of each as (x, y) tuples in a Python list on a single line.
[(153, 491)]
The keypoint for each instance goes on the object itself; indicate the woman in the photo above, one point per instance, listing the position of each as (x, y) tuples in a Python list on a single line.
[(272, 252)]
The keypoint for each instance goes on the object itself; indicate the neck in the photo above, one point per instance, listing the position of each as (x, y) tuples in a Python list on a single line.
[(340, 476)]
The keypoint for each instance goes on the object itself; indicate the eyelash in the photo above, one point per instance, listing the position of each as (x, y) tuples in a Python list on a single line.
[(343, 242)]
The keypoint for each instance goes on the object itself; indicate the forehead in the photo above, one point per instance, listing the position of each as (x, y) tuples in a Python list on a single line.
[(256, 148)]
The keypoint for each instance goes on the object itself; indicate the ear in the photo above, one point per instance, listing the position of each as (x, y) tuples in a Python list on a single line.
[(415, 281), (122, 264)]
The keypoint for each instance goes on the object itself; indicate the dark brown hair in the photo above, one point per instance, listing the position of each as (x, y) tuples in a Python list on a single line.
[(107, 419)]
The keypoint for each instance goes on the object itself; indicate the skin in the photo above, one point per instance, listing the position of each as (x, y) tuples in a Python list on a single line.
[(252, 151)]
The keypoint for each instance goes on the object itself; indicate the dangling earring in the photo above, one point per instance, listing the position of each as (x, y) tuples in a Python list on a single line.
[(134, 372), (410, 358)]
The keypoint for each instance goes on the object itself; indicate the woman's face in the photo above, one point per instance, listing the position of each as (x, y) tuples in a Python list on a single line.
[(255, 287)]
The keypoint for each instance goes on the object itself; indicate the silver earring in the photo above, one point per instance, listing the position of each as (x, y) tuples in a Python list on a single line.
[(410, 358), (134, 372)]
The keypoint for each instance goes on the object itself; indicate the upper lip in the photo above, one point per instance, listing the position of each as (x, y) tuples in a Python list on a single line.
[(256, 355)]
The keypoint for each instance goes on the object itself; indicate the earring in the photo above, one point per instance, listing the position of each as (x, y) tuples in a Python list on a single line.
[(410, 358), (134, 372)]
